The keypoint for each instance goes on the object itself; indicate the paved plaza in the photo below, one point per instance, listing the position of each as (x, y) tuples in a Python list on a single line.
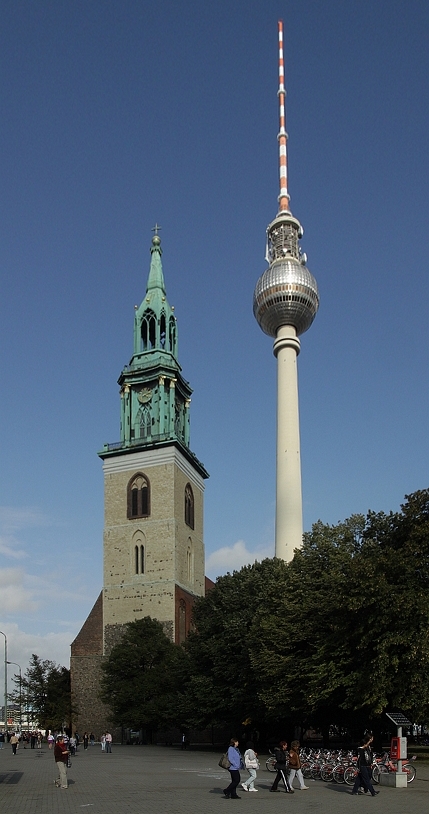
[(148, 779)]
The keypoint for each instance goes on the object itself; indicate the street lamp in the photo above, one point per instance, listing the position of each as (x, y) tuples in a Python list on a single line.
[(20, 693), (5, 680)]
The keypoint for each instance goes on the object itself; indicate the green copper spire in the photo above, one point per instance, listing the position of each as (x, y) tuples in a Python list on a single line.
[(155, 324), (156, 277), (155, 398)]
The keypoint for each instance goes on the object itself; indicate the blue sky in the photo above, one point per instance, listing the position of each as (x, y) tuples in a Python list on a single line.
[(117, 115)]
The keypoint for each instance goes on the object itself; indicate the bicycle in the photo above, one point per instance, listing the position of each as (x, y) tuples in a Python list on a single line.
[(387, 765)]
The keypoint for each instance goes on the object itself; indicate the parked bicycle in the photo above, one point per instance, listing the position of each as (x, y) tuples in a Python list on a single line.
[(387, 765)]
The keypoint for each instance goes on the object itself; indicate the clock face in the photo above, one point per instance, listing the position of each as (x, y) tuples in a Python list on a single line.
[(144, 395)]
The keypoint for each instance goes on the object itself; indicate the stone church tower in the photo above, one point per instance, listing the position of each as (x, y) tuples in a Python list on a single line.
[(153, 503)]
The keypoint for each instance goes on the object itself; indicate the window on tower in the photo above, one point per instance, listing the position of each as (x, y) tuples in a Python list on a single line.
[(139, 559), (172, 334), (162, 330), (189, 506), (148, 330), (190, 561), (138, 497), (145, 421)]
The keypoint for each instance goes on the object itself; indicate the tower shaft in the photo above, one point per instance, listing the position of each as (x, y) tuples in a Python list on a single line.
[(288, 480)]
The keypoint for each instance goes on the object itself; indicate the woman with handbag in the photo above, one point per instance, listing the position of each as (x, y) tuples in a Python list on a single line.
[(235, 764), (251, 763)]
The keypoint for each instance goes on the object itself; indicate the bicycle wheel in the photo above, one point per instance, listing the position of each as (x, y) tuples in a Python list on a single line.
[(350, 775), (315, 771), (326, 772), (377, 770), (409, 771), (306, 769), (338, 773), (269, 764)]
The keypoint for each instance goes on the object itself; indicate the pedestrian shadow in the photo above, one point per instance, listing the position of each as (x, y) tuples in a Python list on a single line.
[(11, 778)]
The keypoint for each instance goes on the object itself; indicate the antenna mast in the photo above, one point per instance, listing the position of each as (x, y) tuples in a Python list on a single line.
[(282, 137)]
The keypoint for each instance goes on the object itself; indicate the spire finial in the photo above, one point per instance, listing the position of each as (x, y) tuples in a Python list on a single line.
[(282, 137)]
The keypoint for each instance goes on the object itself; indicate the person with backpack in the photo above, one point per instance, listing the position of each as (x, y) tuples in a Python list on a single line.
[(251, 763)]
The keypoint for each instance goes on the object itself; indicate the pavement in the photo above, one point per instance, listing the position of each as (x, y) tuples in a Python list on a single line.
[(147, 779)]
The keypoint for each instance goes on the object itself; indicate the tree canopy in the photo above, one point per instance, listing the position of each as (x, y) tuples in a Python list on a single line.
[(337, 636), (45, 690), (142, 677)]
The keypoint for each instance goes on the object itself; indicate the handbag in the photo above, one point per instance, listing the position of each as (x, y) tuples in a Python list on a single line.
[(224, 762)]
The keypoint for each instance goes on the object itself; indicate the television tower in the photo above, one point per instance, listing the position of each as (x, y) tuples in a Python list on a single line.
[(285, 303)]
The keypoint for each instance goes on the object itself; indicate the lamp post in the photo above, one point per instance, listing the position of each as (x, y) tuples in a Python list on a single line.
[(5, 680), (20, 693)]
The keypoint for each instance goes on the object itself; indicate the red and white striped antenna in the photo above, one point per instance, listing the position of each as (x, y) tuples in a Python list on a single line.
[(282, 137)]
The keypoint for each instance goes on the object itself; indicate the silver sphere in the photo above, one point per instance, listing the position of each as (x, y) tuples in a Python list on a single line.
[(285, 294)]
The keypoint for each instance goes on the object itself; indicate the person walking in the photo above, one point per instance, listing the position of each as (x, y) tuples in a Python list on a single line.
[(363, 777), (236, 763), (1, 740), (251, 763), (61, 757), (103, 742), (295, 766), (85, 740), (108, 742), (281, 765), (14, 740)]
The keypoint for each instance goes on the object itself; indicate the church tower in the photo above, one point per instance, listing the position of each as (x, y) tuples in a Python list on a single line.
[(153, 504), (153, 483)]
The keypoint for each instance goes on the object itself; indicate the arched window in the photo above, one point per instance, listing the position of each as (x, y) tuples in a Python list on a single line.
[(138, 564), (172, 334), (145, 422), (138, 497), (148, 330), (139, 559), (162, 335), (182, 621), (190, 562), (189, 506)]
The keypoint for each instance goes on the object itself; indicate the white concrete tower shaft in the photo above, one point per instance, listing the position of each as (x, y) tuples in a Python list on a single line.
[(285, 303), (288, 475)]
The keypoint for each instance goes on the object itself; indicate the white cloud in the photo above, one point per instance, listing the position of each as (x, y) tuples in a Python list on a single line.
[(14, 596), (7, 547), (232, 558), (22, 592), (21, 646), (14, 519)]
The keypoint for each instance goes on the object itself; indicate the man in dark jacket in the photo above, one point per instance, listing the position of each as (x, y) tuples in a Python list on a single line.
[(61, 756), (364, 765), (282, 763)]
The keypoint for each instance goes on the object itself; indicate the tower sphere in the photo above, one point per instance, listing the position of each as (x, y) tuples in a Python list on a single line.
[(285, 294)]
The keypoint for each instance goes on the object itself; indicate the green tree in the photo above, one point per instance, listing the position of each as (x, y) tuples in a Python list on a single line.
[(45, 692), (337, 636), (224, 686), (143, 676)]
